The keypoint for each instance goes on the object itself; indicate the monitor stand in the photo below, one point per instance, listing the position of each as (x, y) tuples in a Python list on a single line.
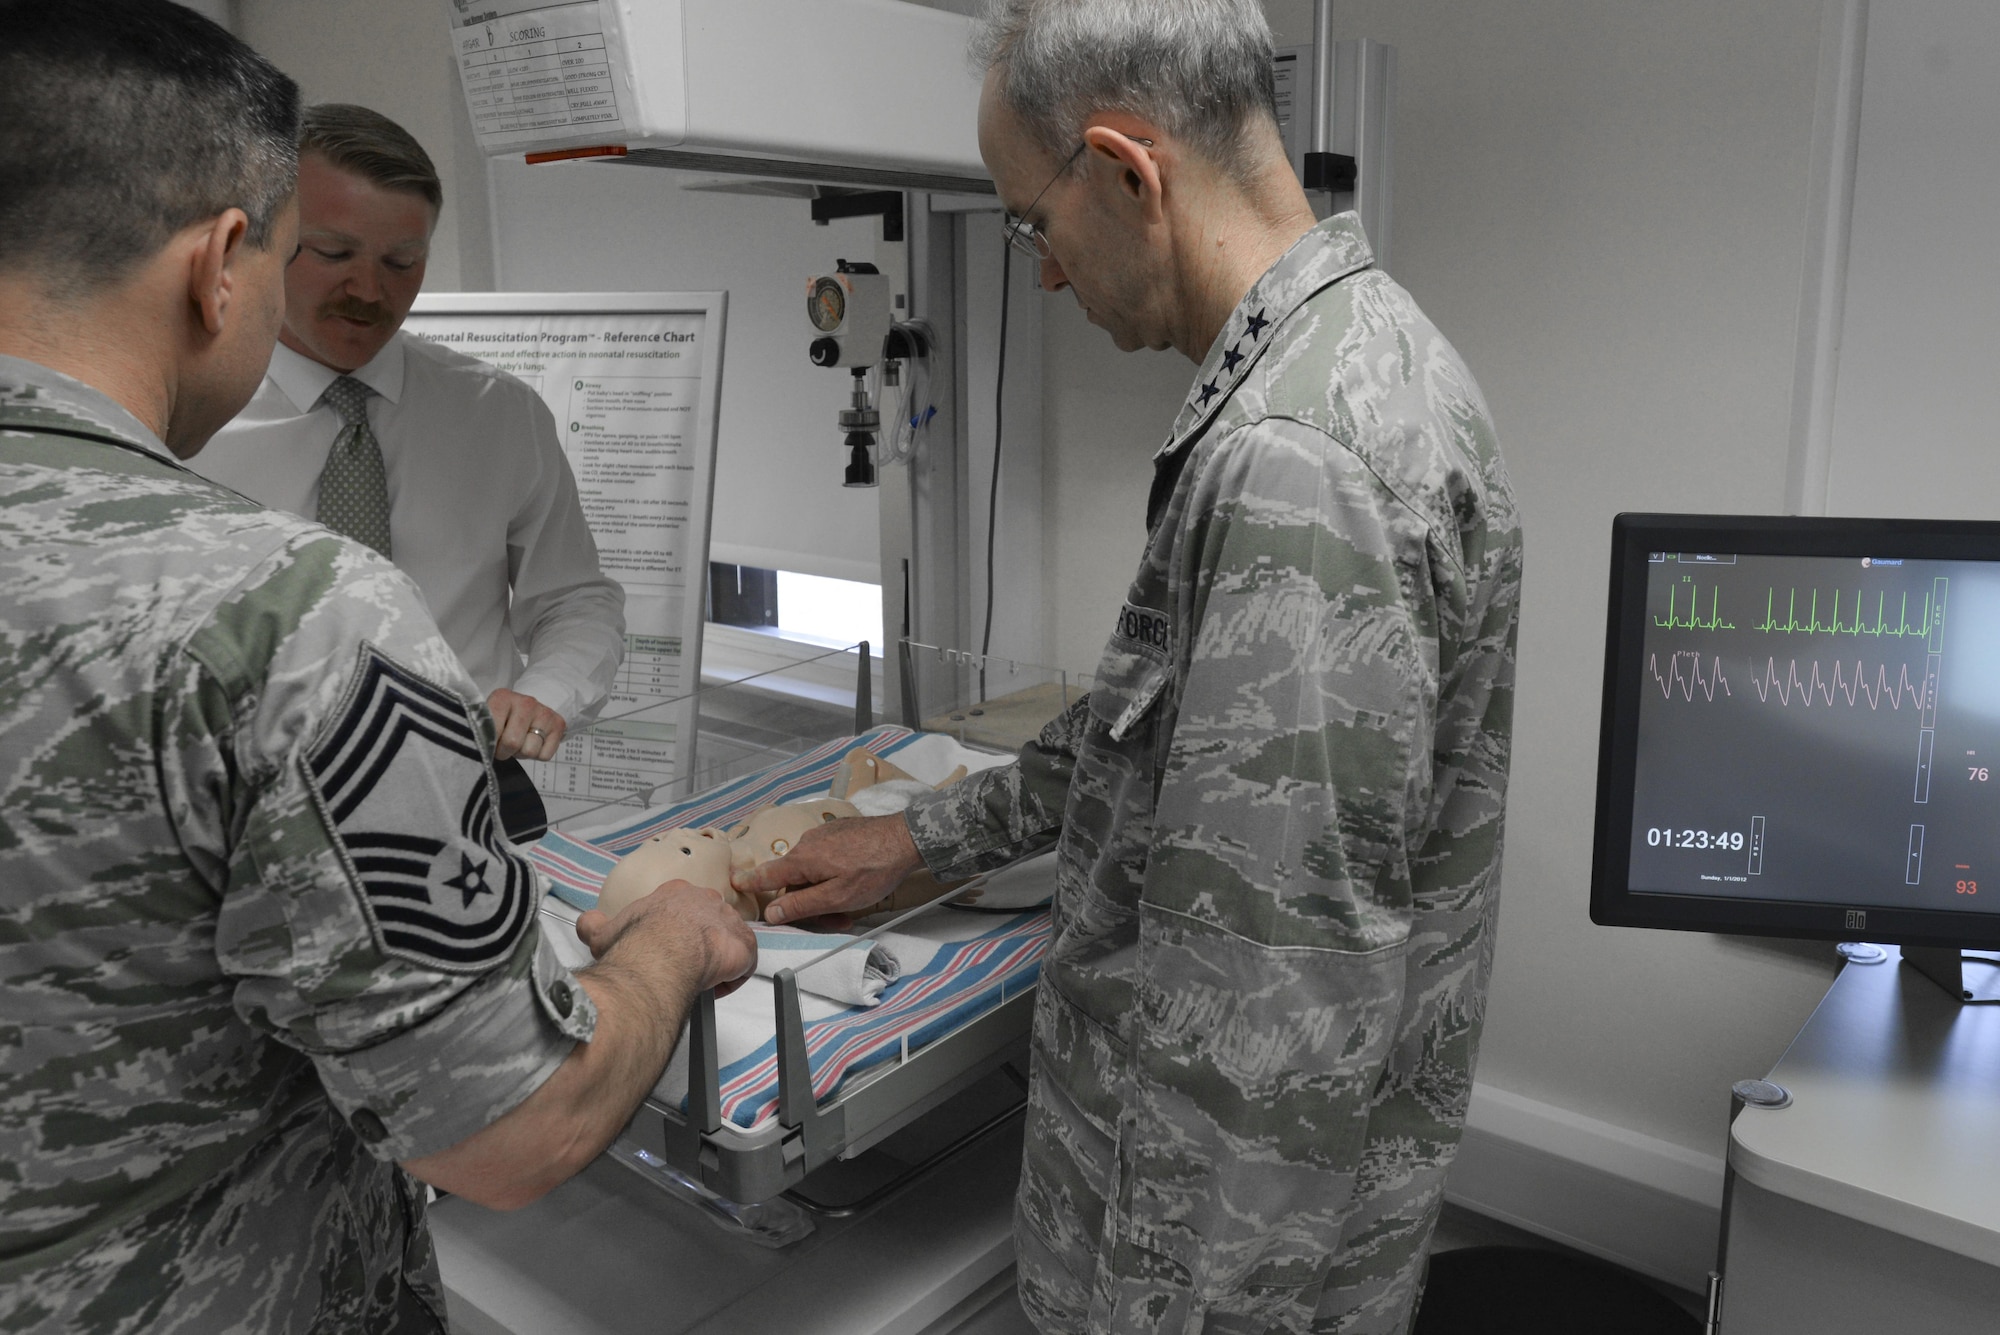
[(1972, 977)]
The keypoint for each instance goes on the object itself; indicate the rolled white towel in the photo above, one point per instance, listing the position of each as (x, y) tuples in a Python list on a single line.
[(854, 977)]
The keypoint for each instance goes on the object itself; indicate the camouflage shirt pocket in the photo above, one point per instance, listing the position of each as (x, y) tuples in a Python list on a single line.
[(1129, 682)]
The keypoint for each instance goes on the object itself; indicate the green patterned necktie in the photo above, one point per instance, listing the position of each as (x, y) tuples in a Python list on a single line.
[(354, 487)]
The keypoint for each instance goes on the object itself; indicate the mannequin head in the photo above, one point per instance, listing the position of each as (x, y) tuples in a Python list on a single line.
[(700, 857)]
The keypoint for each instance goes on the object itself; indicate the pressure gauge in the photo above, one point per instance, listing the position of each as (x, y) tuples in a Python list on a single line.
[(827, 306), (849, 311)]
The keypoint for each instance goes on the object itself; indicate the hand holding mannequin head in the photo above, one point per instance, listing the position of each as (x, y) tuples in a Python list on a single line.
[(700, 857)]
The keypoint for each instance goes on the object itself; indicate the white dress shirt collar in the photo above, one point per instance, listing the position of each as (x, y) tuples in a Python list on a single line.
[(303, 380)]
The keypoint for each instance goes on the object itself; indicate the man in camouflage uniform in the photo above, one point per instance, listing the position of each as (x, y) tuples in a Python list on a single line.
[(1277, 813), (260, 939)]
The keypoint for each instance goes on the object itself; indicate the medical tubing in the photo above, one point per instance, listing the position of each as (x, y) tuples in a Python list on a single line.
[(912, 418), (913, 406)]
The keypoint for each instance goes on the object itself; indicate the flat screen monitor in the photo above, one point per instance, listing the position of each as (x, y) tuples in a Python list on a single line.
[(1801, 729)]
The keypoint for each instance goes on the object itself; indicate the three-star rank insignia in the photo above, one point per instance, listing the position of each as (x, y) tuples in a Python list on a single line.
[(1253, 328), (403, 787)]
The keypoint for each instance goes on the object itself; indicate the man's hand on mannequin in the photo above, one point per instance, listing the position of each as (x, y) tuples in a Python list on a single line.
[(720, 941), (839, 867), (527, 727), (653, 960)]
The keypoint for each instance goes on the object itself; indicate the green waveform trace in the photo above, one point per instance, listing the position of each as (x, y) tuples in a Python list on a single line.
[(1693, 620), (1812, 625)]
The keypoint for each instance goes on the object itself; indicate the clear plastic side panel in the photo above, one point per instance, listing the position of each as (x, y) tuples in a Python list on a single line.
[(747, 716), (984, 701)]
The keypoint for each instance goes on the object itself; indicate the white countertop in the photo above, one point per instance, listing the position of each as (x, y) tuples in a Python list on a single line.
[(1895, 1113)]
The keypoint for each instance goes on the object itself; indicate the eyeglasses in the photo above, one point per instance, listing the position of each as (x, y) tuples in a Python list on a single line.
[(1025, 236)]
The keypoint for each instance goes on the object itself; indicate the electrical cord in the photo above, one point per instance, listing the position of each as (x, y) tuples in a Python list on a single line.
[(993, 489)]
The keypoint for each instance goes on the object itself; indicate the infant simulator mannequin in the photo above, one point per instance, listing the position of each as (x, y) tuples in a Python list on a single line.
[(706, 857), (699, 857), (772, 832)]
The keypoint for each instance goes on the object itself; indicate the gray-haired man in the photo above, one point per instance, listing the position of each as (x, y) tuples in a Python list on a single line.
[(260, 940), (1277, 816)]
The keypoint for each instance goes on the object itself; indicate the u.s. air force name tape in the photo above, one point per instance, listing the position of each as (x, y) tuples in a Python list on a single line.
[(1142, 625), (404, 789)]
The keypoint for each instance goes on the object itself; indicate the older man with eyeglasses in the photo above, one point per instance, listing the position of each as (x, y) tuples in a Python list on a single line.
[(1278, 814)]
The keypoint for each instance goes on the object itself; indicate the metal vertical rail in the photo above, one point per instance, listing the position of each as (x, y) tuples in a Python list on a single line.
[(864, 692)]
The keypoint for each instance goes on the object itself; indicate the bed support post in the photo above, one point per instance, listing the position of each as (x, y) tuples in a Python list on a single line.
[(704, 1079), (864, 694), (704, 1098), (906, 678), (820, 1135)]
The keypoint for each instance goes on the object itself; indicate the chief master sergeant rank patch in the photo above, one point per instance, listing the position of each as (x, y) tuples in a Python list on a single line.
[(453, 904)]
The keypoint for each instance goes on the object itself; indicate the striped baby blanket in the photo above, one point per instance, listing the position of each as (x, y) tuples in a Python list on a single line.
[(956, 965)]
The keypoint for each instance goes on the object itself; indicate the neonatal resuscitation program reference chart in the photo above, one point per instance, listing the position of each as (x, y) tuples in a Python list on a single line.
[(1819, 728), (632, 382)]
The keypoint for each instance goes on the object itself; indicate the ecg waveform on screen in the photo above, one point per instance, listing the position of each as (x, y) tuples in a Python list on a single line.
[(1685, 674), (1692, 619), (1857, 620), (1840, 687)]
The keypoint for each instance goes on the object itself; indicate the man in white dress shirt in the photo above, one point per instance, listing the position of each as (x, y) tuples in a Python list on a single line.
[(447, 466)]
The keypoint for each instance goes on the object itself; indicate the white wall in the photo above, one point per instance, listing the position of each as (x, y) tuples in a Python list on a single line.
[(1913, 414), (1604, 206), (1020, 622), (394, 56), (219, 11), (583, 226), (1104, 413)]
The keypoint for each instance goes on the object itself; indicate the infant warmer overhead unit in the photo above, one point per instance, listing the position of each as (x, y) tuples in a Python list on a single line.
[(862, 92)]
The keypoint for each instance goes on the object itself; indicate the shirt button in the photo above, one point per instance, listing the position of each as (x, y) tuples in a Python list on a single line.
[(563, 999), (369, 1127)]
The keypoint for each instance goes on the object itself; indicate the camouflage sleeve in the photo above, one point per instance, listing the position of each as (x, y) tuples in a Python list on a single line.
[(1274, 913), (333, 769), (997, 815)]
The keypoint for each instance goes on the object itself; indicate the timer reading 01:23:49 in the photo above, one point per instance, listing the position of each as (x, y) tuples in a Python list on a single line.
[(1718, 839)]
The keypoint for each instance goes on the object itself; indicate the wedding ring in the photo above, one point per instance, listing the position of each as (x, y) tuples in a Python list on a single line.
[(536, 732)]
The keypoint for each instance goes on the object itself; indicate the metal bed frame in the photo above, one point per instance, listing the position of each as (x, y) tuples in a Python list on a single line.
[(747, 1166), (754, 1165)]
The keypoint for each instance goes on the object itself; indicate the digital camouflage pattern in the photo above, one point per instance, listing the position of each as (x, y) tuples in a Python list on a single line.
[(1279, 813), (210, 1060)]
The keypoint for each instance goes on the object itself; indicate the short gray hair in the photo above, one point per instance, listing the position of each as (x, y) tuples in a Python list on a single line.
[(124, 121), (369, 144), (1199, 69)]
